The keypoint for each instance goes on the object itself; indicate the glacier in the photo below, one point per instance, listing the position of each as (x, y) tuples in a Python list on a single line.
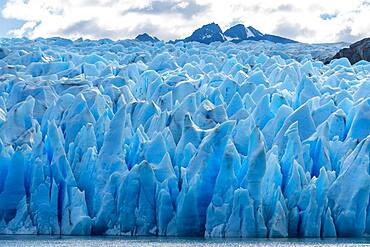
[(255, 139)]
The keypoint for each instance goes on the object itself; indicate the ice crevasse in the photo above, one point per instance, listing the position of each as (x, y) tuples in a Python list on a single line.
[(224, 140)]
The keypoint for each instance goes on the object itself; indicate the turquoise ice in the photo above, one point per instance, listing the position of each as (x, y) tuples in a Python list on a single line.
[(254, 139)]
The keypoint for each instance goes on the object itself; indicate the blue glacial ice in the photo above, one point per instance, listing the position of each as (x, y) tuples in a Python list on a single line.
[(254, 139)]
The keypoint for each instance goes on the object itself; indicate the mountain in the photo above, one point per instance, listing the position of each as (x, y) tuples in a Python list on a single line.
[(207, 34), (212, 32), (356, 52), (240, 32), (277, 39), (144, 37)]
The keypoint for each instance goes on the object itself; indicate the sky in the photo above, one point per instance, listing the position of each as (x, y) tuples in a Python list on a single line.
[(311, 21)]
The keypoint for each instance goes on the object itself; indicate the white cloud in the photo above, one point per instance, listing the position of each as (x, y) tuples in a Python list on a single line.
[(306, 21), (24, 29)]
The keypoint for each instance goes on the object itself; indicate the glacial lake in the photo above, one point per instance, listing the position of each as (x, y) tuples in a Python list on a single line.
[(56, 241)]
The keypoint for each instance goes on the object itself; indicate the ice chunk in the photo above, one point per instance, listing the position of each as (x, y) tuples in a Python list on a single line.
[(3, 52), (348, 198), (201, 175), (341, 62), (13, 190), (19, 123), (360, 125)]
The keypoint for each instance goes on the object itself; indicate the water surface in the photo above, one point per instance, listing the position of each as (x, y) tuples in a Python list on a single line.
[(56, 241)]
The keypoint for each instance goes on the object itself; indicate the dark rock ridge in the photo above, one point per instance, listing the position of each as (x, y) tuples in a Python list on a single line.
[(207, 34), (356, 52), (212, 33), (146, 38), (240, 32)]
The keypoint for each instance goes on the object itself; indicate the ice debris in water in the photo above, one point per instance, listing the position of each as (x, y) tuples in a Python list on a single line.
[(248, 140)]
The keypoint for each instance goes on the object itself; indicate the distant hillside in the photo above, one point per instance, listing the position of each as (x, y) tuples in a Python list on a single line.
[(356, 52), (146, 38), (212, 33)]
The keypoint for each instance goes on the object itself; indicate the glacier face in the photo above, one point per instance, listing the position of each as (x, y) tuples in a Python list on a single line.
[(224, 140)]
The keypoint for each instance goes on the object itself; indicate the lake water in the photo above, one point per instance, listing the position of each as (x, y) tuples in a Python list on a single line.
[(52, 241)]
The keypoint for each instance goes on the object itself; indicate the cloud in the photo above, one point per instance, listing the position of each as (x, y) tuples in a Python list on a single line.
[(328, 16), (286, 7), (86, 27), (306, 21), (186, 9), (348, 35), (293, 30), (24, 29)]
